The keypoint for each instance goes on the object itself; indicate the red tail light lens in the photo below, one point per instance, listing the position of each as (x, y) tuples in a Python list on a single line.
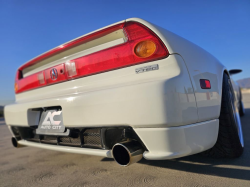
[(142, 46), (122, 55), (30, 82)]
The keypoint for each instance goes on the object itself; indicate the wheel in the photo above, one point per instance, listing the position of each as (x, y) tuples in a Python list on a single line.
[(241, 109), (230, 141)]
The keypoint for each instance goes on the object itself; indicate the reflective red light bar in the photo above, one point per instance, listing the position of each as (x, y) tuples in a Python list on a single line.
[(71, 44), (116, 57)]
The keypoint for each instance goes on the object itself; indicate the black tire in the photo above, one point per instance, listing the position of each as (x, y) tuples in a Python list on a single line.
[(241, 109), (228, 143)]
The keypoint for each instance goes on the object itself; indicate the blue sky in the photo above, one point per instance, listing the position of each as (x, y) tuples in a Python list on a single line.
[(29, 28)]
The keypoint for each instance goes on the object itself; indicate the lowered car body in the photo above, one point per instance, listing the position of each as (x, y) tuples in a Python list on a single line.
[(117, 89)]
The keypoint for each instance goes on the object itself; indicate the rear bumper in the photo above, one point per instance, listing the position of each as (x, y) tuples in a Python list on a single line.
[(161, 143), (174, 142), (159, 105)]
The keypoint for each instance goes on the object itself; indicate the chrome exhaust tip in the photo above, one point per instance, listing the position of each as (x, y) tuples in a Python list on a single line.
[(127, 153), (15, 143)]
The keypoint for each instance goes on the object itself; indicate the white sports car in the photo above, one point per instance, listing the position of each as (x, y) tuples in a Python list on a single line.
[(127, 91)]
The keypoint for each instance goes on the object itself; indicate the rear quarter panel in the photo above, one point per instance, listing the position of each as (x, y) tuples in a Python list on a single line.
[(201, 65)]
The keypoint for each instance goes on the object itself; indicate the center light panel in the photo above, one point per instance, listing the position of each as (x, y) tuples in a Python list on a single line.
[(142, 46)]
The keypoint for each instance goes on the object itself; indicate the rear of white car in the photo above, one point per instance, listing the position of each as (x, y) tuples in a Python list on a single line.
[(130, 83)]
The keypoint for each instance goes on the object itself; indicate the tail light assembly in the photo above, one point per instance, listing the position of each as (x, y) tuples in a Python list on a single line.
[(142, 46)]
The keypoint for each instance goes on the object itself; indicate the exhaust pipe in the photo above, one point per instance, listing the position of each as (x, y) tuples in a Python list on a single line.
[(15, 143), (127, 153)]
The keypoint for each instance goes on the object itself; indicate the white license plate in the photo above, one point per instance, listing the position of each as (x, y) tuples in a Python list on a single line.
[(51, 122)]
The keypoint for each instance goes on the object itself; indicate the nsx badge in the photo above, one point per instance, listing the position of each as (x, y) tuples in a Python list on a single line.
[(147, 68), (51, 122)]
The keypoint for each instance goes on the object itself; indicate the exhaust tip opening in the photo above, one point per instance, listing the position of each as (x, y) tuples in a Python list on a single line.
[(14, 141), (121, 155)]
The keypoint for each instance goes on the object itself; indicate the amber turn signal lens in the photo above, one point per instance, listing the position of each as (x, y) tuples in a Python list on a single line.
[(16, 87), (145, 48)]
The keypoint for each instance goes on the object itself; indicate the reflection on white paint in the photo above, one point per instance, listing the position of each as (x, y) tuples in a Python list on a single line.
[(70, 99)]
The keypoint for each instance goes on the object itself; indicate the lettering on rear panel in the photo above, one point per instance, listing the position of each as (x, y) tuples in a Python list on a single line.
[(147, 68)]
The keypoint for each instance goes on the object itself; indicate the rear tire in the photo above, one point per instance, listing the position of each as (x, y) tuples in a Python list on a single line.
[(241, 109), (230, 142)]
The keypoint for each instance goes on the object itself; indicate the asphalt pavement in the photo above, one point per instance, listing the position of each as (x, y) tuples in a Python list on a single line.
[(37, 167)]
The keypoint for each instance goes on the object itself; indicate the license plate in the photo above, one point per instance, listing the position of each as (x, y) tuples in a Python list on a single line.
[(51, 122)]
